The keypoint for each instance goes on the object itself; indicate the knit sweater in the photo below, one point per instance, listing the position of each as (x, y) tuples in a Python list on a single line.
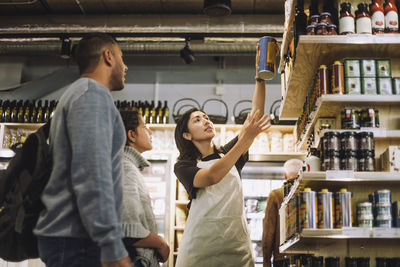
[(138, 219)]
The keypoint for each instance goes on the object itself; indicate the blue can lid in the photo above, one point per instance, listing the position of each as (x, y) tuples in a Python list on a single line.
[(314, 16), (325, 14)]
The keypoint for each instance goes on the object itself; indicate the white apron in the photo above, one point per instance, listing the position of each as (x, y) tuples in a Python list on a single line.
[(216, 232)]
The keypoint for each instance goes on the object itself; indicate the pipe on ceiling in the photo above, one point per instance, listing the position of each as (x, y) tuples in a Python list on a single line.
[(132, 48)]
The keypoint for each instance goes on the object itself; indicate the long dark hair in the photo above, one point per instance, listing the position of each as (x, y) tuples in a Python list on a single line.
[(187, 150), (131, 121)]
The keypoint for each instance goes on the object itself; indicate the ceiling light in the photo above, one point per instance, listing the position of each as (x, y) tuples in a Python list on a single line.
[(65, 48), (186, 54), (217, 8)]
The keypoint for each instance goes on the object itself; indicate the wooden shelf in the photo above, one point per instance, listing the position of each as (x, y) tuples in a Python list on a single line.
[(309, 240), (312, 51), (331, 105), (289, 15)]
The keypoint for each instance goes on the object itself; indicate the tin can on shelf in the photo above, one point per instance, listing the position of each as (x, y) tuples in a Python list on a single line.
[(352, 85), (343, 209), (383, 221), (325, 209), (352, 68), (348, 141), (384, 86), (368, 86), (367, 67), (269, 50), (383, 209), (350, 119), (383, 68), (365, 221), (307, 209), (396, 86), (364, 209), (383, 196), (337, 78), (323, 80)]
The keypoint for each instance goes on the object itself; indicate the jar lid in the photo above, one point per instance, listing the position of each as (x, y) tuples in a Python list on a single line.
[(366, 134), (325, 190), (348, 134), (331, 26), (343, 190), (365, 217), (310, 26), (325, 14), (330, 134), (307, 189), (314, 16), (364, 204), (382, 191), (384, 218), (336, 62), (322, 67), (321, 24), (383, 205)]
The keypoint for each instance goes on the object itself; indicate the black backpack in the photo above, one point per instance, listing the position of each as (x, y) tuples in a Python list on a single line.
[(21, 186)]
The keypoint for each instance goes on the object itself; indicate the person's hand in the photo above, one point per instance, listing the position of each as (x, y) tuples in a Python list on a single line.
[(124, 262), (254, 125), (163, 251)]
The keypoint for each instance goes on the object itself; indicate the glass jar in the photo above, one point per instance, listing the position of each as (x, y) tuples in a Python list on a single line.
[(314, 20), (321, 29), (363, 20), (332, 160), (366, 141), (325, 17), (348, 160), (368, 118), (370, 161), (350, 119), (331, 29), (311, 29), (346, 21), (331, 141), (348, 141)]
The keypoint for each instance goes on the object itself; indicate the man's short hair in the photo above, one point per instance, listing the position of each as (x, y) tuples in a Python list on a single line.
[(292, 167), (89, 49)]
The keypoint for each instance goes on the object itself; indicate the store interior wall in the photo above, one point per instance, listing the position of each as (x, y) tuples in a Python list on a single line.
[(148, 78)]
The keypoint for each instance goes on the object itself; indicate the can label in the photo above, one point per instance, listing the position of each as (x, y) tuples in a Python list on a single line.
[(325, 210), (307, 210), (267, 58), (383, 197), (343, 209), (337, 79)]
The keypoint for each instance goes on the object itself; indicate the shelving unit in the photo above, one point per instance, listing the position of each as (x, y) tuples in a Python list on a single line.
[(312, 51), (331, 105)]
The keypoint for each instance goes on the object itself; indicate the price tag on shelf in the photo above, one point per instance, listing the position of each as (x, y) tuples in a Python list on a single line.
[(354, 232), (335, 175), (378, 132), (384, 232)]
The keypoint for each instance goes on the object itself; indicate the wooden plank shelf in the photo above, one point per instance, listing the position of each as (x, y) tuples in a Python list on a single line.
[(331, 105), (312, 51)]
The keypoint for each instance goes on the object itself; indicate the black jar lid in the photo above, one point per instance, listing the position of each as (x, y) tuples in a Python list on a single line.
[(366, 153), (348, 134), (332, 153), (331, 134), (366, 134)]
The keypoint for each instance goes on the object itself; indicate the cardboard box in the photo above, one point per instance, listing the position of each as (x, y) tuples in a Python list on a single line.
[(351, 68), (384, 86), (368, 68), (352, 86), (390, 159), (368, 86), (383, 68)]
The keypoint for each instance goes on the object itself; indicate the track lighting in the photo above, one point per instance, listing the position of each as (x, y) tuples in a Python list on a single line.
[(217, 8), (186, 54), (65, 47)]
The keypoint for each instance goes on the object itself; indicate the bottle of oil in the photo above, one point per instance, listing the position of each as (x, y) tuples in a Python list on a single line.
[(165, 113)]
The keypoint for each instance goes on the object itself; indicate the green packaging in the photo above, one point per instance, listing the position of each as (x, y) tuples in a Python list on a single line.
[(384, 86), (368, 68), (383, 68), (351, 68), (368, 86), (352, 86), (396, 86)]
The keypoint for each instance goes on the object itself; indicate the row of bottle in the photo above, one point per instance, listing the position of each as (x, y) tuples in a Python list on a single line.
[(26, 111), (151, 113), (374, 18)]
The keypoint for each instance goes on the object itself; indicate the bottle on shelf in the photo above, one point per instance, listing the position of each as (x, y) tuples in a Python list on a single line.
[(159, 113), (20, 112), (46, 111), (33, 112), (377, 17), (39, 115), (14, 111), (300, 21), (153, 113), (346, 21), (391, 17), (1, 110), (165, 110), (146, 115), (363, 20), (7, 111), (329, 6)]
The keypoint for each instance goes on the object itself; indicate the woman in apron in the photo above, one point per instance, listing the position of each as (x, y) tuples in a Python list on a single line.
[(216, 232)]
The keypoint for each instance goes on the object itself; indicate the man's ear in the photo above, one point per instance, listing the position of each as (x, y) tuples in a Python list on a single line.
[(108, 56), (187, 136), (131, 136)]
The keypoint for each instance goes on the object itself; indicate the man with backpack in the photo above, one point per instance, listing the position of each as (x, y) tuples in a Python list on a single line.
[(80, 225)]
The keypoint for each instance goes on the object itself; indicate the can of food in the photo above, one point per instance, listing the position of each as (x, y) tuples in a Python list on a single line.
[(323, 80), (325, 209), (365, 221), (337, 78), (364, 209), (268, 52), (343, 209), (307, 209), (383, 209), (383, 196), (383, 221)]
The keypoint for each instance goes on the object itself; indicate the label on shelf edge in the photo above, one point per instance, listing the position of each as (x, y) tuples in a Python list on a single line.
[(333, 175), (356, 231), (384, 232)]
